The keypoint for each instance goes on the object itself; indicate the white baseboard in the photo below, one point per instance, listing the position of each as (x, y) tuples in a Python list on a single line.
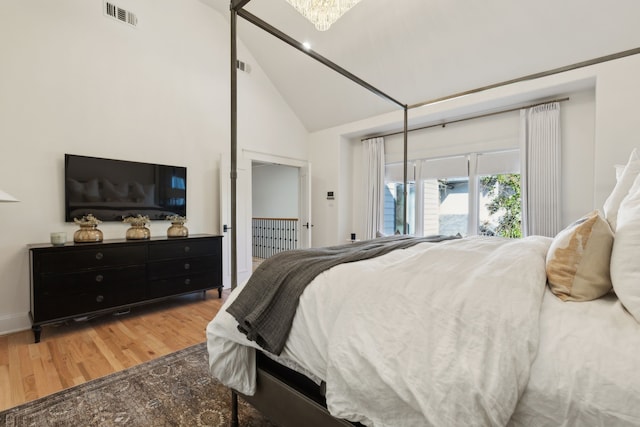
[(14, 323)]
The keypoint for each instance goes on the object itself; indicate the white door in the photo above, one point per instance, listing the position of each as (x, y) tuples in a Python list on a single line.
[(243, 220), (305, 206)]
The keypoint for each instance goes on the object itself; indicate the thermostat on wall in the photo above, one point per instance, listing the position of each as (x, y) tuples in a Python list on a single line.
[(330, 195)]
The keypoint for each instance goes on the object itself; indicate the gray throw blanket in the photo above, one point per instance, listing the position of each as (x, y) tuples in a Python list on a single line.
[(267, 304)]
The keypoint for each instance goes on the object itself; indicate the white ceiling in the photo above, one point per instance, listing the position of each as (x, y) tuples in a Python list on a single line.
[(420, 50)]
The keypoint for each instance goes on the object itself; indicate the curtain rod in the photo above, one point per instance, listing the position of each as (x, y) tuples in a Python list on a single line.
[(443, 124)]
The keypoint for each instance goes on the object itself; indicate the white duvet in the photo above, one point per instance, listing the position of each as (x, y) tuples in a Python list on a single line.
[(439, 334), (587, 370)]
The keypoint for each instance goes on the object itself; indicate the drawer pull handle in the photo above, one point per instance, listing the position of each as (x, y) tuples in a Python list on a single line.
[(99, 298), (99, 255), (187, 266), (187, 248), (187, 281), (99, 278)]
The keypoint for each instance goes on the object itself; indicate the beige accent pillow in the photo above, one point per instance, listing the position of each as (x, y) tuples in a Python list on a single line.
[(578, 260)]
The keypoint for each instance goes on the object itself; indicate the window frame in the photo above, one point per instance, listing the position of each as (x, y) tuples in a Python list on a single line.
[(417, 174)]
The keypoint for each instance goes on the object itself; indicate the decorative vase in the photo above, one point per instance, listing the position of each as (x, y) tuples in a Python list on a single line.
[(177, 229), (138, 232), (87, 233)]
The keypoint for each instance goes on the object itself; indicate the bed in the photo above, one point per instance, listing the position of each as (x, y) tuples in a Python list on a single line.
[(480, 331), (411, 338), (475, 331)]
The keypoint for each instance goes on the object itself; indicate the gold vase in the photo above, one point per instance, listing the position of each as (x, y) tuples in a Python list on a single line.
[(138, 232), (177, 229), (87, 233)]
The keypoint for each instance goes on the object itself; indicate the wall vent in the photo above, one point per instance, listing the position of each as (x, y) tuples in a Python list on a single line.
[(120, 14), (243, 66)]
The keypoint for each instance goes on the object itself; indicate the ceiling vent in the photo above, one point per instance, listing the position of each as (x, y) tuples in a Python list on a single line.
[(120, 14), (243, 66)]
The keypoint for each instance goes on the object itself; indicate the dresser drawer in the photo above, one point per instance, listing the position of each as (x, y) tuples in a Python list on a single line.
[(76, 259), (179, 285), (93, 298), (180, 267), (78, 283), (182, 248)]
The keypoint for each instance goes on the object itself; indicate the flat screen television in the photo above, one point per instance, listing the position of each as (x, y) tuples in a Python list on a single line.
[(114, 189)]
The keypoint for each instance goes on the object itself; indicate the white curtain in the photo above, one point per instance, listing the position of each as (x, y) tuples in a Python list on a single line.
[(540, 170), (373, 185)]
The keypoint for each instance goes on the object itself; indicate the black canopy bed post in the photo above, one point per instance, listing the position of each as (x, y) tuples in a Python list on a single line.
[(276, 388), (234, 5), (405, 182)]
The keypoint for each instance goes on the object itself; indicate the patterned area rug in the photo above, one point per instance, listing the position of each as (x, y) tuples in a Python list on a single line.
[(173, 390)]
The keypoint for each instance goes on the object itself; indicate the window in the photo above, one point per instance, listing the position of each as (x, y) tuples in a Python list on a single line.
[(500, 205), (500, 200), (393, 219), (445, 195), (478, 193)]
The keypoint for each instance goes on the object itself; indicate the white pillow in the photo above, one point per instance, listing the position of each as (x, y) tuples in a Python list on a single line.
[(619, 169), (625, 256), (629, 174)]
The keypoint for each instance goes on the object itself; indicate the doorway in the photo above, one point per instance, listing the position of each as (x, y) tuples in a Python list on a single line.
[(283, 191), (275, 209)]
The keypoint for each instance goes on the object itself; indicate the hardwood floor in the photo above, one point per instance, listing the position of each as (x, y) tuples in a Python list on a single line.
[(75, 352)]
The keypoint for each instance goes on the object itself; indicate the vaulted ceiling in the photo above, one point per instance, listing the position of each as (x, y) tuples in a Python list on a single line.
[(421, 50)]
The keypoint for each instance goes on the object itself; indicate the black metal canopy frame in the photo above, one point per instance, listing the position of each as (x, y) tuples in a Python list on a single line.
[(236, 9)]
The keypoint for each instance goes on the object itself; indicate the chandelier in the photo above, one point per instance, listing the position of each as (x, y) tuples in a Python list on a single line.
[(322, 13)]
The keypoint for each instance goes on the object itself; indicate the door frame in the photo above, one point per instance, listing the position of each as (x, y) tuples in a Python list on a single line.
[(243, 228), (304, 189)]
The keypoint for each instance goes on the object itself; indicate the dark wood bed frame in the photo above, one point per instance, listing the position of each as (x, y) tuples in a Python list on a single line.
[(287, 398)]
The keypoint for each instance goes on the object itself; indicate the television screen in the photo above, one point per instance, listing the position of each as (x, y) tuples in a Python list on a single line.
[(114, 189)]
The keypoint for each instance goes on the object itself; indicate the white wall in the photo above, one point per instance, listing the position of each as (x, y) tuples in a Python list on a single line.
[(617, 124), (274, 191), (75, 81), (481, 134), (602, 131)]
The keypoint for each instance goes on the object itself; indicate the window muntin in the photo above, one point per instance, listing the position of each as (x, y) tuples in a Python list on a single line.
[(394, 199), (394, 205)]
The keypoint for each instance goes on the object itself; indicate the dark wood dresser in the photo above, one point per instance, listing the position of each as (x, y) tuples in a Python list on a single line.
[(85, 279)]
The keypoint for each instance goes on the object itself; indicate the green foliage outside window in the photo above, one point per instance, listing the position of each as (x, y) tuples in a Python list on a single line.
[(505, 196)]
